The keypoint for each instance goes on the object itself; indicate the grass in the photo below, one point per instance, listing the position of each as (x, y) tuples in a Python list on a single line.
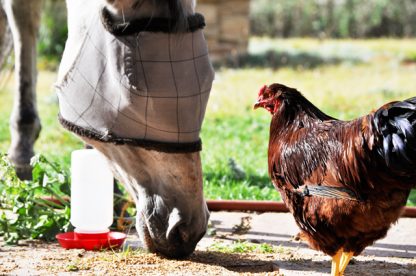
[(234, 136), (243, 247)]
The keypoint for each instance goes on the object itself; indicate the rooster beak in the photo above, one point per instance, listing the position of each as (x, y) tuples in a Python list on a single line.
[(260, 103), (260, 100)]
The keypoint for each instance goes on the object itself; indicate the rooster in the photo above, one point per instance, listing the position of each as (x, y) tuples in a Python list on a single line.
[(345, 182)]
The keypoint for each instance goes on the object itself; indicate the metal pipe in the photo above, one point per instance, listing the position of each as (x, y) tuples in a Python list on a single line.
[(247, 205), (269, 206), (255, 206), (409, 212)]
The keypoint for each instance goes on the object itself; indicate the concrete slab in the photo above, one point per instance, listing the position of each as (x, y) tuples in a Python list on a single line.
[(393, 255)]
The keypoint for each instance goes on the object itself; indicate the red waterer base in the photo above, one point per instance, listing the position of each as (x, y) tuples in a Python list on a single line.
[(72, 240)]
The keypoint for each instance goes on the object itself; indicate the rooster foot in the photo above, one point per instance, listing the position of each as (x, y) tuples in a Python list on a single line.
[(340, 261)]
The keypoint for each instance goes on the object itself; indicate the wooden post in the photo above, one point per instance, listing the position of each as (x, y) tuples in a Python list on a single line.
[(228, 27)]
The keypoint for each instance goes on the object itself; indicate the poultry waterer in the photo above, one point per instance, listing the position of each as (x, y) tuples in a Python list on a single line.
[(91, 204)]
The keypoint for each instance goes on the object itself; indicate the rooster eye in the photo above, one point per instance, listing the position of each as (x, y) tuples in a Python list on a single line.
[(277, 96)]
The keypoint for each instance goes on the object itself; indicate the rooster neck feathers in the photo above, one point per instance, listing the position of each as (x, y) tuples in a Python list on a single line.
[(296, 112)]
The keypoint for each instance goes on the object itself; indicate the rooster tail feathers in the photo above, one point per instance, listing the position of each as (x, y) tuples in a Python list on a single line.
[(396, 125)]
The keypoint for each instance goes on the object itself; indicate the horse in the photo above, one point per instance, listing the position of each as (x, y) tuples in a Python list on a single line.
[(164, 178)]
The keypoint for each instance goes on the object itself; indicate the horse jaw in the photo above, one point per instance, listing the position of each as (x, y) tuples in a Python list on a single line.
[(172, 214)]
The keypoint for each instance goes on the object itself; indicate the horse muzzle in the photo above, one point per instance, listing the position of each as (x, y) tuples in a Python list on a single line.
[(174, 238)]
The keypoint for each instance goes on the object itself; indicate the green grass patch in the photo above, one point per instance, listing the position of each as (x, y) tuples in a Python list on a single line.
[(412, 199), (242, 247), (235, 137), (235, 158), (410, 57)]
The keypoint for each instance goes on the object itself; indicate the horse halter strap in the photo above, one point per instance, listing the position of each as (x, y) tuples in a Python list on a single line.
[(157, 24), (141, 83)]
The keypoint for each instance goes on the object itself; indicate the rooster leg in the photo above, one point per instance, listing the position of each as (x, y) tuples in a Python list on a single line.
[(335, 263), (345, 260)]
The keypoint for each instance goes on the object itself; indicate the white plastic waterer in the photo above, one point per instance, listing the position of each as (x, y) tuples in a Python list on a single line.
[(91, 192), (91, 204)]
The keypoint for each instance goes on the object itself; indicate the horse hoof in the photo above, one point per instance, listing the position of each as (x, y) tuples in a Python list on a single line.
[(24, 172)]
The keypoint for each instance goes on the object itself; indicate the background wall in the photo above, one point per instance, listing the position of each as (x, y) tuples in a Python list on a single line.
[(228, 26)]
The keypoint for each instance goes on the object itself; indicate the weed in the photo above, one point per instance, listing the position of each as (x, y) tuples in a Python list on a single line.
[(76, 266), (72, 268), (243, 227), (33, 209), (242, 247)]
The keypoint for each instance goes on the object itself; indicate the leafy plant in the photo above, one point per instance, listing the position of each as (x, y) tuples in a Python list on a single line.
[(35, 209)]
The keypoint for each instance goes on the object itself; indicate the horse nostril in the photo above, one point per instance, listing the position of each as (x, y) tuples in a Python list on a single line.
[(178, 233), (181, 240), (183, 233)]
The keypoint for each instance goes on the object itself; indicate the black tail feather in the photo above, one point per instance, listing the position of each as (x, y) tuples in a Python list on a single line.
[(396, 124)]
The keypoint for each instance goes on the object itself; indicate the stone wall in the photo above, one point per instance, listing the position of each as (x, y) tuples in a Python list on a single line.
[(228, 26)]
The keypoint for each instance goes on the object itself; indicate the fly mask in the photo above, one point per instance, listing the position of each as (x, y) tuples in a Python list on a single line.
[(139, 83)]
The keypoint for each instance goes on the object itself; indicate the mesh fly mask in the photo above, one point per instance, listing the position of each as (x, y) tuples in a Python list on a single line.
[(139, 83)]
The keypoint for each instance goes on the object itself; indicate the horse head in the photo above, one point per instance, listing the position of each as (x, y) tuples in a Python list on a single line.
[(167, 188)]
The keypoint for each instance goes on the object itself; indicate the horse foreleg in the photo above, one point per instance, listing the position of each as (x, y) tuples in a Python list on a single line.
[(23, 17)]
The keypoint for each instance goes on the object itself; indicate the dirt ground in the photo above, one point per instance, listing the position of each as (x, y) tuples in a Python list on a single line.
[(394, 255)]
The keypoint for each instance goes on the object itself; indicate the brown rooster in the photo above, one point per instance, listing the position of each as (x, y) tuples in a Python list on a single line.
[(345, 182)]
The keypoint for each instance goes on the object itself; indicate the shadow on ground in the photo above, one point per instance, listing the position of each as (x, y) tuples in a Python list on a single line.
[(234, 262)]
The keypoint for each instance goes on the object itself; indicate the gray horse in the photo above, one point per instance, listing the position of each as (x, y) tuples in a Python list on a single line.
[(163, 174)]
